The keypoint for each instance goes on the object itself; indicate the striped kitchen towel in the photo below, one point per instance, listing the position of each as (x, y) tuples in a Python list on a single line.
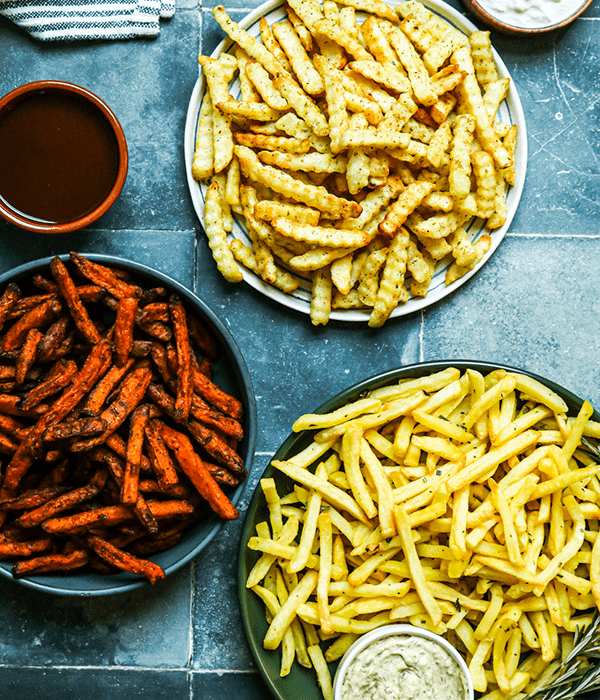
[(56, 20)]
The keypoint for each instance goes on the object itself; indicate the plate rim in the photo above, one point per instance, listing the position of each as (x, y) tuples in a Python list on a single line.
[(414, 304), (253, 636)]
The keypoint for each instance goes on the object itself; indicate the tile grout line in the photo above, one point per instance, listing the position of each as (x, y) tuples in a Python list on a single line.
[(141, 669)]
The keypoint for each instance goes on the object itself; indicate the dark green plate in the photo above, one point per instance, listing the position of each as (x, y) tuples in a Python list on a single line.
[(301, 683)]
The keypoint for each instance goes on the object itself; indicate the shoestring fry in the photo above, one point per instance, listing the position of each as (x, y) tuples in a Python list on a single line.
[(456, 502), (377, 120)]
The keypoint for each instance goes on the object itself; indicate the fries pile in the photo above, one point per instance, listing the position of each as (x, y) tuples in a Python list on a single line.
[(358, 153), (114, 438), (458, 503)]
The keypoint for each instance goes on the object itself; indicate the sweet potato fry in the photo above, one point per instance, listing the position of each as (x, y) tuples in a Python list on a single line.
[(25, 304), (11, 295), (211, 416), (216, 447), (37, 317), (161, 360), (222, 475), (53, 337), (27, 354), (10, 425), (129, 487), (10, 550), (44, 283), (117, 469), (75, 428), (53, 384), (183, 401), (119, 446), (149, 296), (104, 277), (194, 468), (7, 446), (69, 293), (96, 362), (131, 393), (32, 499), (159, 457), (153, 572), (10, 404), (101, 391), (126, 313), (202, 337), (56, 505), (51, 562), (214, 395), (112, 515), (157, 311), (141, 348)]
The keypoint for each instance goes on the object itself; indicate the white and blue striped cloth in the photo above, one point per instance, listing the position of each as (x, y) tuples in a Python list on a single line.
[(72, 20)]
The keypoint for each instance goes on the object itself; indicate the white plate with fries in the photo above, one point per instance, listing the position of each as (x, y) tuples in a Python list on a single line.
[(340, 292), (472, 512)]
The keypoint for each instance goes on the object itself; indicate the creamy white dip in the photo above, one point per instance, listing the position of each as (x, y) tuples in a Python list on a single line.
[(403, 667), (530, 14)]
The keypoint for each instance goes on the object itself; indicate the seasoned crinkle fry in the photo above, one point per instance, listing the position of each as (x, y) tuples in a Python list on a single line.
[(204, 152), (356, 116), (217, 237), (457, 539)]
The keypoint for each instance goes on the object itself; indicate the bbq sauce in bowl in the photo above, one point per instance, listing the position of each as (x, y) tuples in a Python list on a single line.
[(61, 158)]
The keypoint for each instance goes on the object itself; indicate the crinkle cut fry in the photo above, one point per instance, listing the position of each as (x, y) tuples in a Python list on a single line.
[(113, 555)]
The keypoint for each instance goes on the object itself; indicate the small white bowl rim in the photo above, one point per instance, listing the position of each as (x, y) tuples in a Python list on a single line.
[(520, 29), (369, 638)]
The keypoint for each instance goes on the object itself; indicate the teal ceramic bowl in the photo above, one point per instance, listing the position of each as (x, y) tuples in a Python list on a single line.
[(230, 372)]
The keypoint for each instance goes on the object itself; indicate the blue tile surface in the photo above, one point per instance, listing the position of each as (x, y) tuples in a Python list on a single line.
[(534, 305)]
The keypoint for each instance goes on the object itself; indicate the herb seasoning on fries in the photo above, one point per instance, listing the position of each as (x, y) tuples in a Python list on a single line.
[(114, 438), (357, 153), (456, 502)]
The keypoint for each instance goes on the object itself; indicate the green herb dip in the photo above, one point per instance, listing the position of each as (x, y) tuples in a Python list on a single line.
[(404, 667)]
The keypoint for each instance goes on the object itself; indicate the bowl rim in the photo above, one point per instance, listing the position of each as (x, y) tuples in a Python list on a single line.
[(401, 630), (124, 582), (515, 30), (60, 86)]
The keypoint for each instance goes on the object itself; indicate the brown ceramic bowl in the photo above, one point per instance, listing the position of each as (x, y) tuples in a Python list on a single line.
[(502, 26), (64, 157)]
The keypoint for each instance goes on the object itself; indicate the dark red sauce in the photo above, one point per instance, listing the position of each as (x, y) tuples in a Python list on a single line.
[(59, 157)]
